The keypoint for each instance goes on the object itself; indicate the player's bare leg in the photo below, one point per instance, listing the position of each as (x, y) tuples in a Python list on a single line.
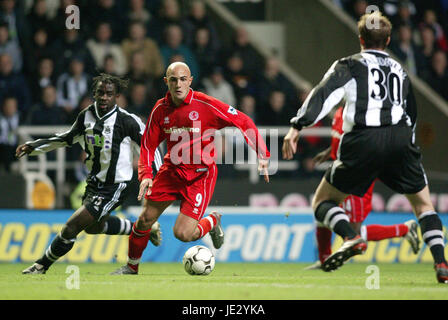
[(327, 211), (187, 229), (63, 242), (141, 233), (432, 232)]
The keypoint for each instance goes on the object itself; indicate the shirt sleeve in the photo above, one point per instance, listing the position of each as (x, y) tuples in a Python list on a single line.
[(68, 138), (151, 139), (411, 105), (324, 96), (136, 128), (228, 116)]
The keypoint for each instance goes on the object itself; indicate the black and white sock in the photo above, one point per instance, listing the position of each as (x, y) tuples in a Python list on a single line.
[(58, 247), (115, 225), (432, 234), (335, 218)]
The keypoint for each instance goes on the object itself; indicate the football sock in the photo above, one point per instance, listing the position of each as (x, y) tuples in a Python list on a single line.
[(335, 218), (138, 240), (116, 225), (323, 239), (431, 228), (205, 225), (58, 247), (376, 232)]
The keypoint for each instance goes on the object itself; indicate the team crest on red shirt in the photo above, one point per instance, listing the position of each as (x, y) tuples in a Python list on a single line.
[(194, 115)]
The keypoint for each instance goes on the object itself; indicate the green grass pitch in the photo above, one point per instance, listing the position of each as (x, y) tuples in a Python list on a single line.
[(229, 281)]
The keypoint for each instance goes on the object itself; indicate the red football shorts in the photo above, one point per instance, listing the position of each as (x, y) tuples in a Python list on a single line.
[(358, 208), (194, 190)]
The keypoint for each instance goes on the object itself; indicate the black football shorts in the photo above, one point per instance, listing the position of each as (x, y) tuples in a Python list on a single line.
[(386, 153), (100, 199)]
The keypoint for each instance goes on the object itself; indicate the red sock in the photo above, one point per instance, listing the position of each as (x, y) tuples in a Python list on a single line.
[(205, 225), (138, 240), (323, 237), (376, 232)]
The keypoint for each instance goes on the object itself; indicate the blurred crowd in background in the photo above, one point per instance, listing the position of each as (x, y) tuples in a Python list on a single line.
[(46, 69)]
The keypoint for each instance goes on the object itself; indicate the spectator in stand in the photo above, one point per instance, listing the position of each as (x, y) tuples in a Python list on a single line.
[(10, 47), (173, 46), (13, 84), (248, 106), (101, 45), (275, 113), (405, 50), (428, 46), (238, 77), (38, 18), (403, 13), (271, 79), (12, 12), (9, 122), (72, 85), (137, 41), (70, 45), (216, 86), (437, 77), (138, 12), (358, 8), (198, 19), (430, 19), (109, 65), (138, 100), (47, 112), (168, 13), (206, 55), (107, 11), (137, 68), (241, 46), (40, 48), (45, 77)]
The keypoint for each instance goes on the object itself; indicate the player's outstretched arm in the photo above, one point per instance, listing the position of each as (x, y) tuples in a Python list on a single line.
[(290, 143)]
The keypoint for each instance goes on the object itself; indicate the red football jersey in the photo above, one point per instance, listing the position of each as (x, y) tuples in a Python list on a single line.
[(336, 132), (188, 130)]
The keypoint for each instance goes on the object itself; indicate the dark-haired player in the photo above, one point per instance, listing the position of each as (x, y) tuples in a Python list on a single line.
[(378, 141), (108, 134)]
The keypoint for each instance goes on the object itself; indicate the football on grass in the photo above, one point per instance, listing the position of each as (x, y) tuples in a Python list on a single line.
[(198, 261)]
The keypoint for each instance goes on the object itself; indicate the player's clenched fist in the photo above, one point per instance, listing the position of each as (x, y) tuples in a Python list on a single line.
[(145, 187), (23, 149)]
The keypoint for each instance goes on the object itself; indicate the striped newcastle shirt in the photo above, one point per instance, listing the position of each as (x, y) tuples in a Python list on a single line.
[(109, 142), (376, 88)]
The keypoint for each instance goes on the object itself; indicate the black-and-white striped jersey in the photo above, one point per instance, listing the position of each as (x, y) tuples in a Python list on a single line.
[(109, 142), (376, 89)]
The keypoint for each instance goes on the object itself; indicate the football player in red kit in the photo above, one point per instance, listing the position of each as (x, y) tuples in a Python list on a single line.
[(358, 208), (187, 120)]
